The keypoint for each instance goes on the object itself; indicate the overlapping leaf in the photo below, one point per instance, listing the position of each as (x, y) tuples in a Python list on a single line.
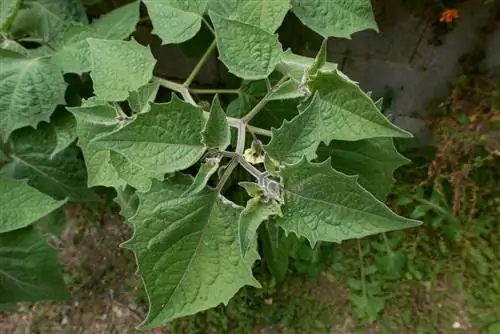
[(216, 133), (188, 250), (29, 268), (255, 213), (374, 160), (65, 129), (22, 205), (73, 54), (48, 19), (248, 51), (109, 58), (266, 14), (30, 90), (139, 100), (176, 21), (335, 18), (61, 176), (164, 140), (8, 13), (322, 204), (95, 119)]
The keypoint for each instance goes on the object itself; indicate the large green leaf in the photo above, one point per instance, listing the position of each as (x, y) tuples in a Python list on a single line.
[(335, 18), (74, 55), (164, 140), (176, 21), (297, 138), (266, 14), (271, 115), (8, 13), (237, 40), (134, 175), (29, 268), (322, 204), (21, 205), (48, 19), (348, 113), (93, 120), (61, 176), (65, 129), (216, 133), (374, 160), (30, 90), (109, 58), (187, 250)]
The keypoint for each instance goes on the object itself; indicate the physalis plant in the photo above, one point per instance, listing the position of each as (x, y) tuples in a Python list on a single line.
[(318, 152)]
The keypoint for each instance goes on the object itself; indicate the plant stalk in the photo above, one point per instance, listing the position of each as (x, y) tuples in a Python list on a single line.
[(200, 64)]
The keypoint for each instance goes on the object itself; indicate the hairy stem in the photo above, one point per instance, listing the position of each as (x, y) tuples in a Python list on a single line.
[(245, 164), (362, 268), (214, 91), (259, 131), (200, 64), (227, 173), (208, 25)]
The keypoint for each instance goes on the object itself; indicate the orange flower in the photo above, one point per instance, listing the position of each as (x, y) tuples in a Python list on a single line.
[(449, 15)]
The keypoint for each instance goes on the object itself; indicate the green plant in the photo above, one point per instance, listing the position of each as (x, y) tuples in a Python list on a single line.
[(320, 158)]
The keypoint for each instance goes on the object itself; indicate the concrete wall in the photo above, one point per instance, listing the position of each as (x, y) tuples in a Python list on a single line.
[(403, 58)]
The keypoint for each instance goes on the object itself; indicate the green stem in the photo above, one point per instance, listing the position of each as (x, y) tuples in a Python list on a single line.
[(214, 91), (262, 103), (227, 173), (208, 26), (259, 131), (233, 122), (245, 164), (200, 64)]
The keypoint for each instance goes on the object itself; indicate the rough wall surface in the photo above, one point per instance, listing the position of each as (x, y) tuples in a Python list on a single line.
[(403, 59)]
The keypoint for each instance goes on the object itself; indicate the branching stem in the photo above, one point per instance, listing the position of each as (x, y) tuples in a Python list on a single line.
[(214, 91), (200, 64)]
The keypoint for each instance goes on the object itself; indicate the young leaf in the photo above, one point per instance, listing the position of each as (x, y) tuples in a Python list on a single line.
[(92, 120), (164, 140), (48, 19), (8, 13), (298, 137), (322, 204), (216, 133), (286, 91), (109, 58), (139, 100), (200, 181), (176, 21), (31, 90), (251, 217), (266, 14), (187, 250), (73, 53), (131, 173), (374, 160), (62, 176), (65, 129), (295, 65), (335, 18), (347, 113), (237, 40), (21, 205), (29, 268)]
